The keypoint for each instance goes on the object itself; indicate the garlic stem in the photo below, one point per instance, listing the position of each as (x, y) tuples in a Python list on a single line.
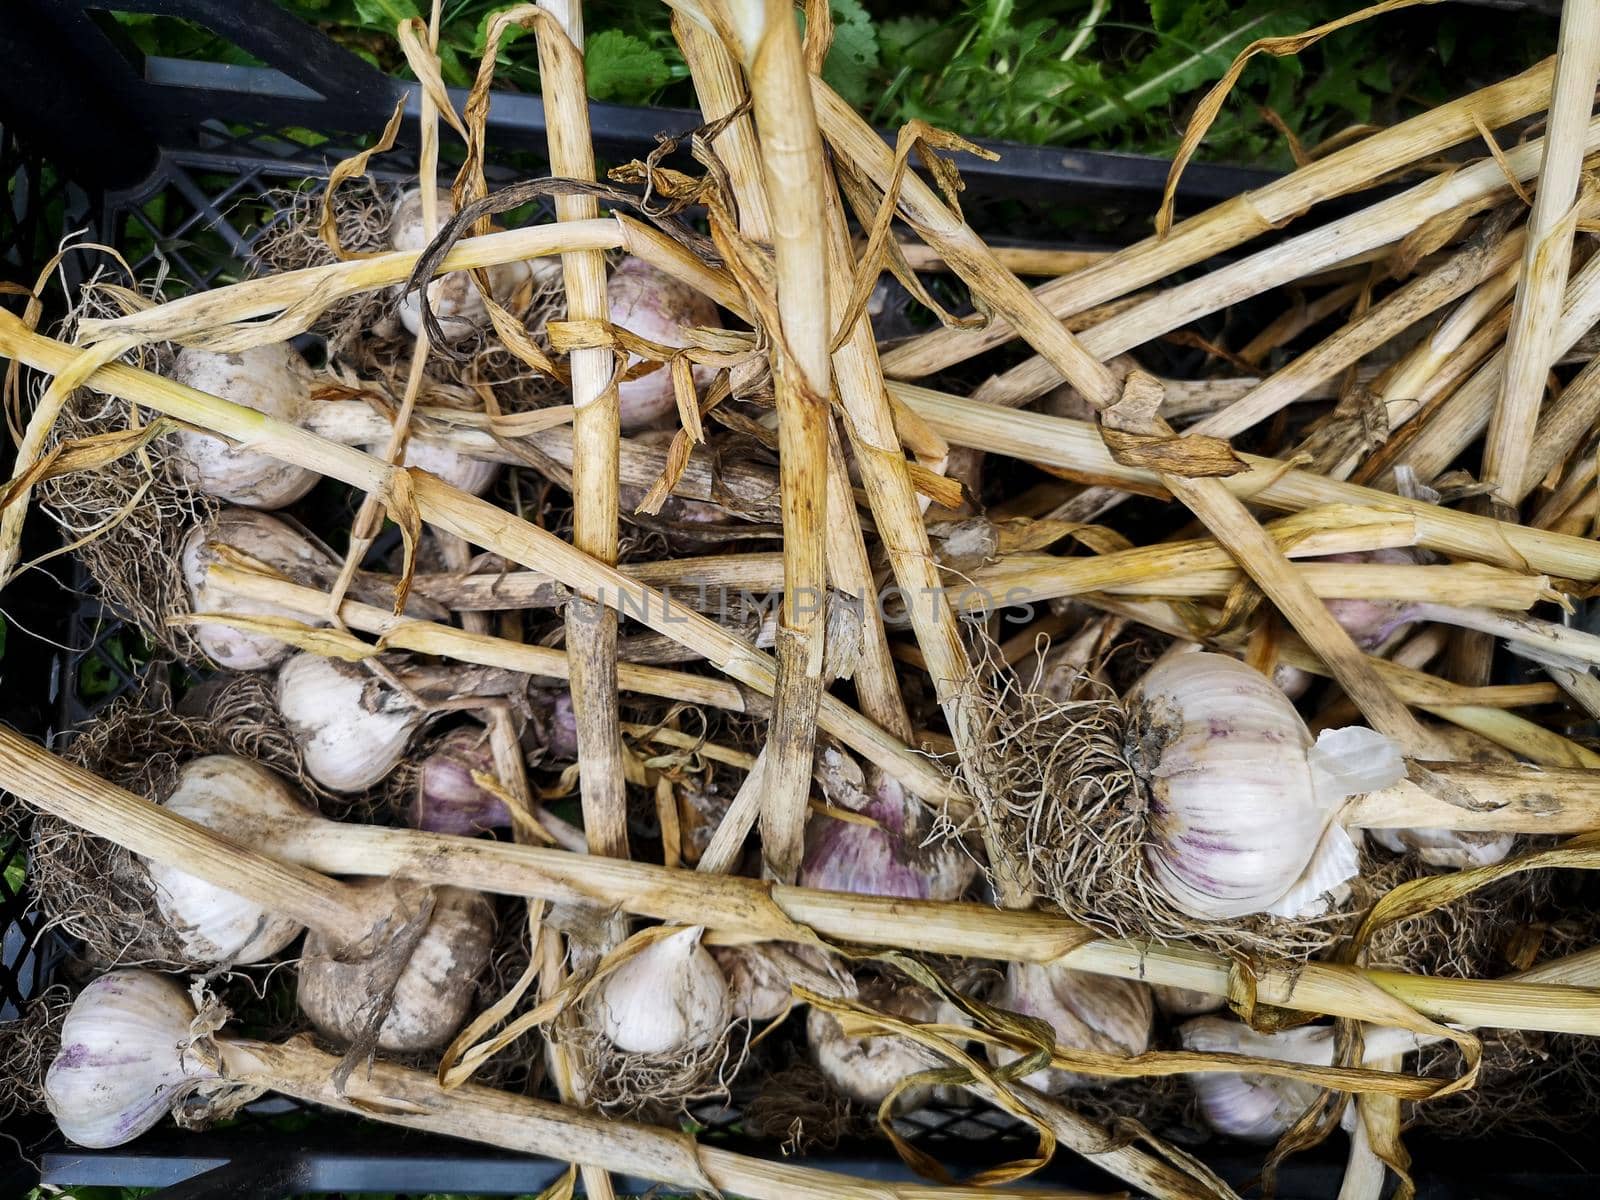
[(734, 905), (1527, 631)]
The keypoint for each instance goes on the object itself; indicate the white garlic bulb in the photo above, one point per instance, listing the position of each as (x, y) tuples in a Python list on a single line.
[(1456, 849), (267, 540), (122, 1065), (1242, 801), (658, 307), (1255, 1108), (272, 379), (1087, 1012), (670, 998), (453, 297), (866, 1069), (461, 471), (1184, 1002), (434, 991), (243, 800), (352, 729), (760, 977)]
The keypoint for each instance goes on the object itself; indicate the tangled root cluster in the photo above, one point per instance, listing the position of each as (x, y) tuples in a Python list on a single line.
[(1529, 1083), (363, 333), (126, 521), (27, 1047), (1062, 795), (801, 1111), (99, 892)]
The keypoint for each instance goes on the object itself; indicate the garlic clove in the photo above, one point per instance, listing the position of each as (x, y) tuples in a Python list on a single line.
[(1254, 1108), (267, 540), (436, 987), (352, 729), (655, 306), (1087, 1012), (669, 998), (244, 800), (889, 858), (122, 1065), (271, 379)]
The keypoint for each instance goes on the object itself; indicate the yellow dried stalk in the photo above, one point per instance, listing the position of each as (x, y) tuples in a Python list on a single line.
[(743, 909), (1551, 226), (1222, 514), (1247, 216), (1074, 446), (478, 521)]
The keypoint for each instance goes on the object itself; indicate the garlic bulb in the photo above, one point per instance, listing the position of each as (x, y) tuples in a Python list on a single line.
[(867, 1068), (670, 998), (1370, 623), (658, 307), (268, 540), (453, 297), (272, 379), (122, 1065), (471, 475), (1255, 1108), (759, 977), (1184, 1002), (352, 729), (1456, 849), (445, 797), (434, 991), (1087, 1012), (885, 859), (242, 799), (1242, 802), (557, 724)]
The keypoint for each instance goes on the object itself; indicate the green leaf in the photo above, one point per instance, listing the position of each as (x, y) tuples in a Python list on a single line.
[(15, 872), (385, 14), (623, 68), (854, 54), (480, 37)]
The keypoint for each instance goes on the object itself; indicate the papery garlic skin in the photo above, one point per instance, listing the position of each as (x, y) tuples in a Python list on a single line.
[(272, 379), (866, 1069), (1454, 849), (1087, 1012), (1242, 801), (352, 729), (1255, 1108), (655, 306), (245, 801), (122, 1066), (669, 998), (887, 859), (453, 297), (435, 989), (268, 540)]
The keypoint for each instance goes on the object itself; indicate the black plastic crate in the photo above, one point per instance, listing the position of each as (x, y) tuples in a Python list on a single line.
[(173, 155)]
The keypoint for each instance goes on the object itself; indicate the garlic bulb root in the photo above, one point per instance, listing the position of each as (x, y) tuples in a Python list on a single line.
[(433, 991)]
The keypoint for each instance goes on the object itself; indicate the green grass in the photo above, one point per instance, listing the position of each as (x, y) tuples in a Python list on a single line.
[(1108, 74)]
